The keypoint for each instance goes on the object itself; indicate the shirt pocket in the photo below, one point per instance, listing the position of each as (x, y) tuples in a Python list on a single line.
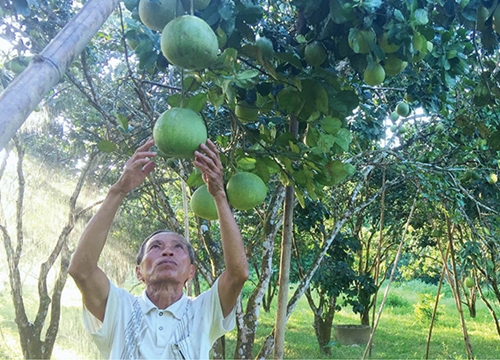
[(187, 349)]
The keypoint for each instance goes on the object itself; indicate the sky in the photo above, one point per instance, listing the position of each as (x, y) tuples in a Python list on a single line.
[(4, 45)]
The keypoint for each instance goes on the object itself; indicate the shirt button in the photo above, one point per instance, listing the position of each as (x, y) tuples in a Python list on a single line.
[(161, 328), (161, 314)]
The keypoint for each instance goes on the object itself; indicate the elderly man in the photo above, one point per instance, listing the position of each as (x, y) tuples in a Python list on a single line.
[(162, 323)]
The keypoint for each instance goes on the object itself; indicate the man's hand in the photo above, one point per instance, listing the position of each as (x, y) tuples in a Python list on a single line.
[(211, 168), (137, 168)]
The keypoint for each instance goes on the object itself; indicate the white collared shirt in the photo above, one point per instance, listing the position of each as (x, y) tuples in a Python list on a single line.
[(134, 328)]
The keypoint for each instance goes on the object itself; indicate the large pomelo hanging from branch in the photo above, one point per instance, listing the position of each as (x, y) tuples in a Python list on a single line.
[(203, 204), (178, 132), (245, 190), (155, 14), (189, 42)]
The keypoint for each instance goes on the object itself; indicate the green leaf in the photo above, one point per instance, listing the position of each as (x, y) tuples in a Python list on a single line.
[(197, 103), (331, 125), (246, 30), (272, 165), (349, 99), (301, 39), (371, 5), (190, 84), (106, 146), (262, 170), (289, 100), (195, 179), (312, 136), (122, 120), (294, 147), (300, 177), (421, 17), (247, 74), (130, 4), (398, 15), (494, 141), (147, 60), (289, 58), (343, 139), (175, 100), (246, 163), (325, 142), (337, 171), (300, 197), (251, 14)]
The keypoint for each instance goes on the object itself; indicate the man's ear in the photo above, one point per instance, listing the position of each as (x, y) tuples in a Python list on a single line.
[(192, 271), (138, 273)]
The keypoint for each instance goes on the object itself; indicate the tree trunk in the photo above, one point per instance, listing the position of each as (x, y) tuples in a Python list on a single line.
[(286, 255), (247, 323), (471, 303), (47, 68), (323, 320), (30, 333)]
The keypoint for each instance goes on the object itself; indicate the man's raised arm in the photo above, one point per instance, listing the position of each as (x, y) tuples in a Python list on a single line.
[(90, 279), (234, 276)]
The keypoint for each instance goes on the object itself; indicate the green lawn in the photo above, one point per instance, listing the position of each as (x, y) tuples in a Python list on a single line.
[(399, 335)]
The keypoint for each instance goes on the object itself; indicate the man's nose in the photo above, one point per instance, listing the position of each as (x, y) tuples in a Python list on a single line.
[(168, 252)]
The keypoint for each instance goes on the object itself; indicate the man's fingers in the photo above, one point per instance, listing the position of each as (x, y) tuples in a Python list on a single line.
[(211, 152), (146, 146), (139, 163), (148, 168)]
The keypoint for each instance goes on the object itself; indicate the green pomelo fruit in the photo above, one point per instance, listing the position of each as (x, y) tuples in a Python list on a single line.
[(266, 47), (203, 204), (394, 116), (315, 53), (246, 190), (394, 65), (394, 128), (385, 45), (197, 4), (469, 282), (189, 42), (374, 75), (403, 109), (178, 132), (246, 112), (155, 14)]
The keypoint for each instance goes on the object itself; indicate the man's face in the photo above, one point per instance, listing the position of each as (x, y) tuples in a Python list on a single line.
[(166, 260)]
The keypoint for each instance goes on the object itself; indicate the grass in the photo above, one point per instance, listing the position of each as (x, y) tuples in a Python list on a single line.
[(399, 335)]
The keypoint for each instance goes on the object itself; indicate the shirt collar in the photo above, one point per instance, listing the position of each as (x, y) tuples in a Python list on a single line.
[(176, 309)]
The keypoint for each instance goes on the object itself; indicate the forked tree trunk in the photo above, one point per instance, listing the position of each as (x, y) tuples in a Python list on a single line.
[(324, 313), (47, 68)]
